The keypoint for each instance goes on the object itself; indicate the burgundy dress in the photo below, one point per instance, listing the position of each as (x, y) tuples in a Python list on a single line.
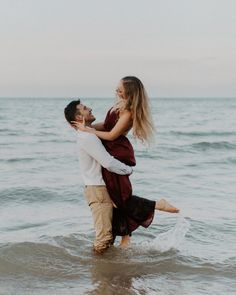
[(132, 211)]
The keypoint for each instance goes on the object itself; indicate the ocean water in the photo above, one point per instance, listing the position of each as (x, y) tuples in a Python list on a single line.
[(46, 231)]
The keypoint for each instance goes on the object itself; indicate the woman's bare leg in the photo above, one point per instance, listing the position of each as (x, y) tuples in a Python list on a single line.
[(163, 205), (125, 241)]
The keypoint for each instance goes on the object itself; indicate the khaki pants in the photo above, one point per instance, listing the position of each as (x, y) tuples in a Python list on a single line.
[(101, 206)]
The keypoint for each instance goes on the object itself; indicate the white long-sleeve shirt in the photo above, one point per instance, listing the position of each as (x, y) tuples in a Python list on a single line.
[(93, 155)]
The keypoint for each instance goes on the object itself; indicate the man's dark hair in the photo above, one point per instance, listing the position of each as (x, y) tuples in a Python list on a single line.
[(70, 110)]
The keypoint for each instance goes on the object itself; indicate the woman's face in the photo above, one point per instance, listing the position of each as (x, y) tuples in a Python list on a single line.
[(120, 91)]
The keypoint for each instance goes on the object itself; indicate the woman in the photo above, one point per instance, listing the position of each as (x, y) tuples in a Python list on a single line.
[(131, 111)]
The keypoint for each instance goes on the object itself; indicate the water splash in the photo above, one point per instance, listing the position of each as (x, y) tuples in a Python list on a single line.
[(169, 240)]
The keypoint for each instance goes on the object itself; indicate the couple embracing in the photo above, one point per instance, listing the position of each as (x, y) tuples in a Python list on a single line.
[(106, 158)]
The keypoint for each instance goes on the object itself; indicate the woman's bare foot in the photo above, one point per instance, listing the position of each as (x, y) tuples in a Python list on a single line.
[(163, 205), (125, 241)]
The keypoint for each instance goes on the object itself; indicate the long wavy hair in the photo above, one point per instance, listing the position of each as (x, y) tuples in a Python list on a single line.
[(137, 102)]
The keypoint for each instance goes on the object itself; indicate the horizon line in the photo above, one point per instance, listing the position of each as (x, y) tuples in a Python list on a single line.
[(109, 97)]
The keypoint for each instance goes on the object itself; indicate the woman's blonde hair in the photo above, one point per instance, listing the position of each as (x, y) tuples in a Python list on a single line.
[(137, 102)]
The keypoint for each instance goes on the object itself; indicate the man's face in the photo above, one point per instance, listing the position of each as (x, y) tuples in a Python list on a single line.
[(84, 112)]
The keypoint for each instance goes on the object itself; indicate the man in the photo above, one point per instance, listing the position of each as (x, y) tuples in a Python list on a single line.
[(92, 155)]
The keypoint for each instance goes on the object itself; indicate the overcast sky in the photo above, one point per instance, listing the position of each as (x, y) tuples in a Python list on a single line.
[(57, 48)]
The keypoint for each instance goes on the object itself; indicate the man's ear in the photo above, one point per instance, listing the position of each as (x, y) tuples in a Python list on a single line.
[(79, 118)]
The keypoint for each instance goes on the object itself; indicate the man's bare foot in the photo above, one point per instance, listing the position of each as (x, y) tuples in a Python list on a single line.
[(163, 205), (125, 241)]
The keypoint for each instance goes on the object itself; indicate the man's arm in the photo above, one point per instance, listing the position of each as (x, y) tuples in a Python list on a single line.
[(94, 147)]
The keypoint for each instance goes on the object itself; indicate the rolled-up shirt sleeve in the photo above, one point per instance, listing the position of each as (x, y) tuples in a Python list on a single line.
[(94, 147)]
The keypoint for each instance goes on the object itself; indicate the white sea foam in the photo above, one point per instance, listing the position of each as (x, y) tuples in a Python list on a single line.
[(169, 240)]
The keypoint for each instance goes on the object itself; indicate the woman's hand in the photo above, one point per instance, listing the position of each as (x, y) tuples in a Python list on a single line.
[(81, 126), (78, 125)]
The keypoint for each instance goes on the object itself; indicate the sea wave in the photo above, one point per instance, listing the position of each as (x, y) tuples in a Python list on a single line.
[(41, 260), (33, 195), (56, 140), (218, 145), (45, 133), (5, 130), (231, 160), (37, 157), (57, 261), (203, 133), (20, 159)]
